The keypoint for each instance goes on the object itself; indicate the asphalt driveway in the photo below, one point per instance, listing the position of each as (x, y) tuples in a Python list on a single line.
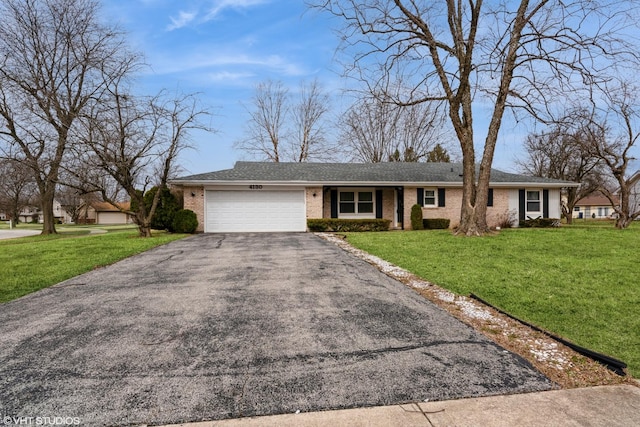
[(220, 326)]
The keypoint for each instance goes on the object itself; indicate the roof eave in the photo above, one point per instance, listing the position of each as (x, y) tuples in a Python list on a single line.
[(191, 183)]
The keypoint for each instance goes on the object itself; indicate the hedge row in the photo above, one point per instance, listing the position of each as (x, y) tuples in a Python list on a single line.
[(337, 224), (540, 223), (436, 223)]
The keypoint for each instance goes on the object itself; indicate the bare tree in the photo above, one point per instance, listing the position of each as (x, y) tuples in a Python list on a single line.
[(53, 58), (616, 152), (307, 114), (267, 121), (377, 130), (525, 55), (280, 129), (564, 153), (135, 141), (17, 190)]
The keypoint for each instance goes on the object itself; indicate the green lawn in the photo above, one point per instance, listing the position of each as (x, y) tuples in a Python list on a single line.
[(32, 263), (581, 282)]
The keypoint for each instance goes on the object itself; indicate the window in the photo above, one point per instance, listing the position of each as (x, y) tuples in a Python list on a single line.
[(347, 202), (576, 208), (533, 201), (365, 202), (430, 197), (356, 203)]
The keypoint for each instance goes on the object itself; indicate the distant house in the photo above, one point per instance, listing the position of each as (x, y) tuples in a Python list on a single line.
[(255, 196), (634, 196), (105, 213), (34, 214), (596, 205)]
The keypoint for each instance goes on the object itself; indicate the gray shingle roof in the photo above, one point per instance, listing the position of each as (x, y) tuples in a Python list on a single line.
[(390, 172)]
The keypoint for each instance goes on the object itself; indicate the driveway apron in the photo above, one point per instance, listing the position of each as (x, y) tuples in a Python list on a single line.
[(223, 326)]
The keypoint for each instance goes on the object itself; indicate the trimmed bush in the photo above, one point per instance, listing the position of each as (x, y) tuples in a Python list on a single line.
[(540, 223), (344, 225), (436, 223), (185, 221), (416, 217)]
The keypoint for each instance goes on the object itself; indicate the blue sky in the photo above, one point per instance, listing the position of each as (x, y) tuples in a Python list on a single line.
[(223, 48)]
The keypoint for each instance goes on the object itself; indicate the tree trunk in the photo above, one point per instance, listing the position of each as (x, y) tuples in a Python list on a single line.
[(623, 221), (473, 215), (47, 196), (144, 231), (473, 221)]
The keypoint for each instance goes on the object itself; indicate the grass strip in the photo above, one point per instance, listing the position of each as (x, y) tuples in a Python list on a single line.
[(32, 263), (579, 282)]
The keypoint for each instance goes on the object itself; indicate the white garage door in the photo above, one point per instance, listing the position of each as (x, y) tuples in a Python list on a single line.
[(239, 211), (112, 218)]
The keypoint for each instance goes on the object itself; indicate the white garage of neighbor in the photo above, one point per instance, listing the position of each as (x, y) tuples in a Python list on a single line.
[(255, 210)]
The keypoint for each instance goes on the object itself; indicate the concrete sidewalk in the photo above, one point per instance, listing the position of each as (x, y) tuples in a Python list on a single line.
[(15, 233), (594, 406)]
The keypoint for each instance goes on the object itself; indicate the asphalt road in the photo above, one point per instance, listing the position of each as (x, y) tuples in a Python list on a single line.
[(226, 326)]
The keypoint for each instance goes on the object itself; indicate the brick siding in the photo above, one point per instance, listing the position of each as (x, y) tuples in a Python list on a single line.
[(195, 203)]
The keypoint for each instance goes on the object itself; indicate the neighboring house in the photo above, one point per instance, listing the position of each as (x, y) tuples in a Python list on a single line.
[(595, 205), (105, 213), (261, 197), (34, 214), (634, 196)]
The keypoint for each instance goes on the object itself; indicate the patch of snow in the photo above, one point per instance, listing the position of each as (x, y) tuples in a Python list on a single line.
[(446, 295), (547, 351), (472, 310)]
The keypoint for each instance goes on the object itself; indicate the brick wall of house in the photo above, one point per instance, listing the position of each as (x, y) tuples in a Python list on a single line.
[(451, 210), (410, 199), (497, 213), (195, 203), (314, 203)]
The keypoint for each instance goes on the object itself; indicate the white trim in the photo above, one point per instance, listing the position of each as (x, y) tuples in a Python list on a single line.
[(435, 198), (540, 201)]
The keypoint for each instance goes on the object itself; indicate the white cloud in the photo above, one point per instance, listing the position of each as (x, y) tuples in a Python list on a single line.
[(227, 76), (220, 5), (215, 8), (183, 19), (218, 62)]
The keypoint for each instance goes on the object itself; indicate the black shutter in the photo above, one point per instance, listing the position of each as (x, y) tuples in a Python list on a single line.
[(421, 196), (378, 203), (522, 204), (334, 203), (441, 197), (545, 203), (490, 197)]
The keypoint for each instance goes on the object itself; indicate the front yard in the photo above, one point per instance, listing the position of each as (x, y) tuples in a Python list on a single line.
[(580, 282), (32, 263)]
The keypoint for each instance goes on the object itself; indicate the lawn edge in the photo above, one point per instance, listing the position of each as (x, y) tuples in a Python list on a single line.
[(562, 365)]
